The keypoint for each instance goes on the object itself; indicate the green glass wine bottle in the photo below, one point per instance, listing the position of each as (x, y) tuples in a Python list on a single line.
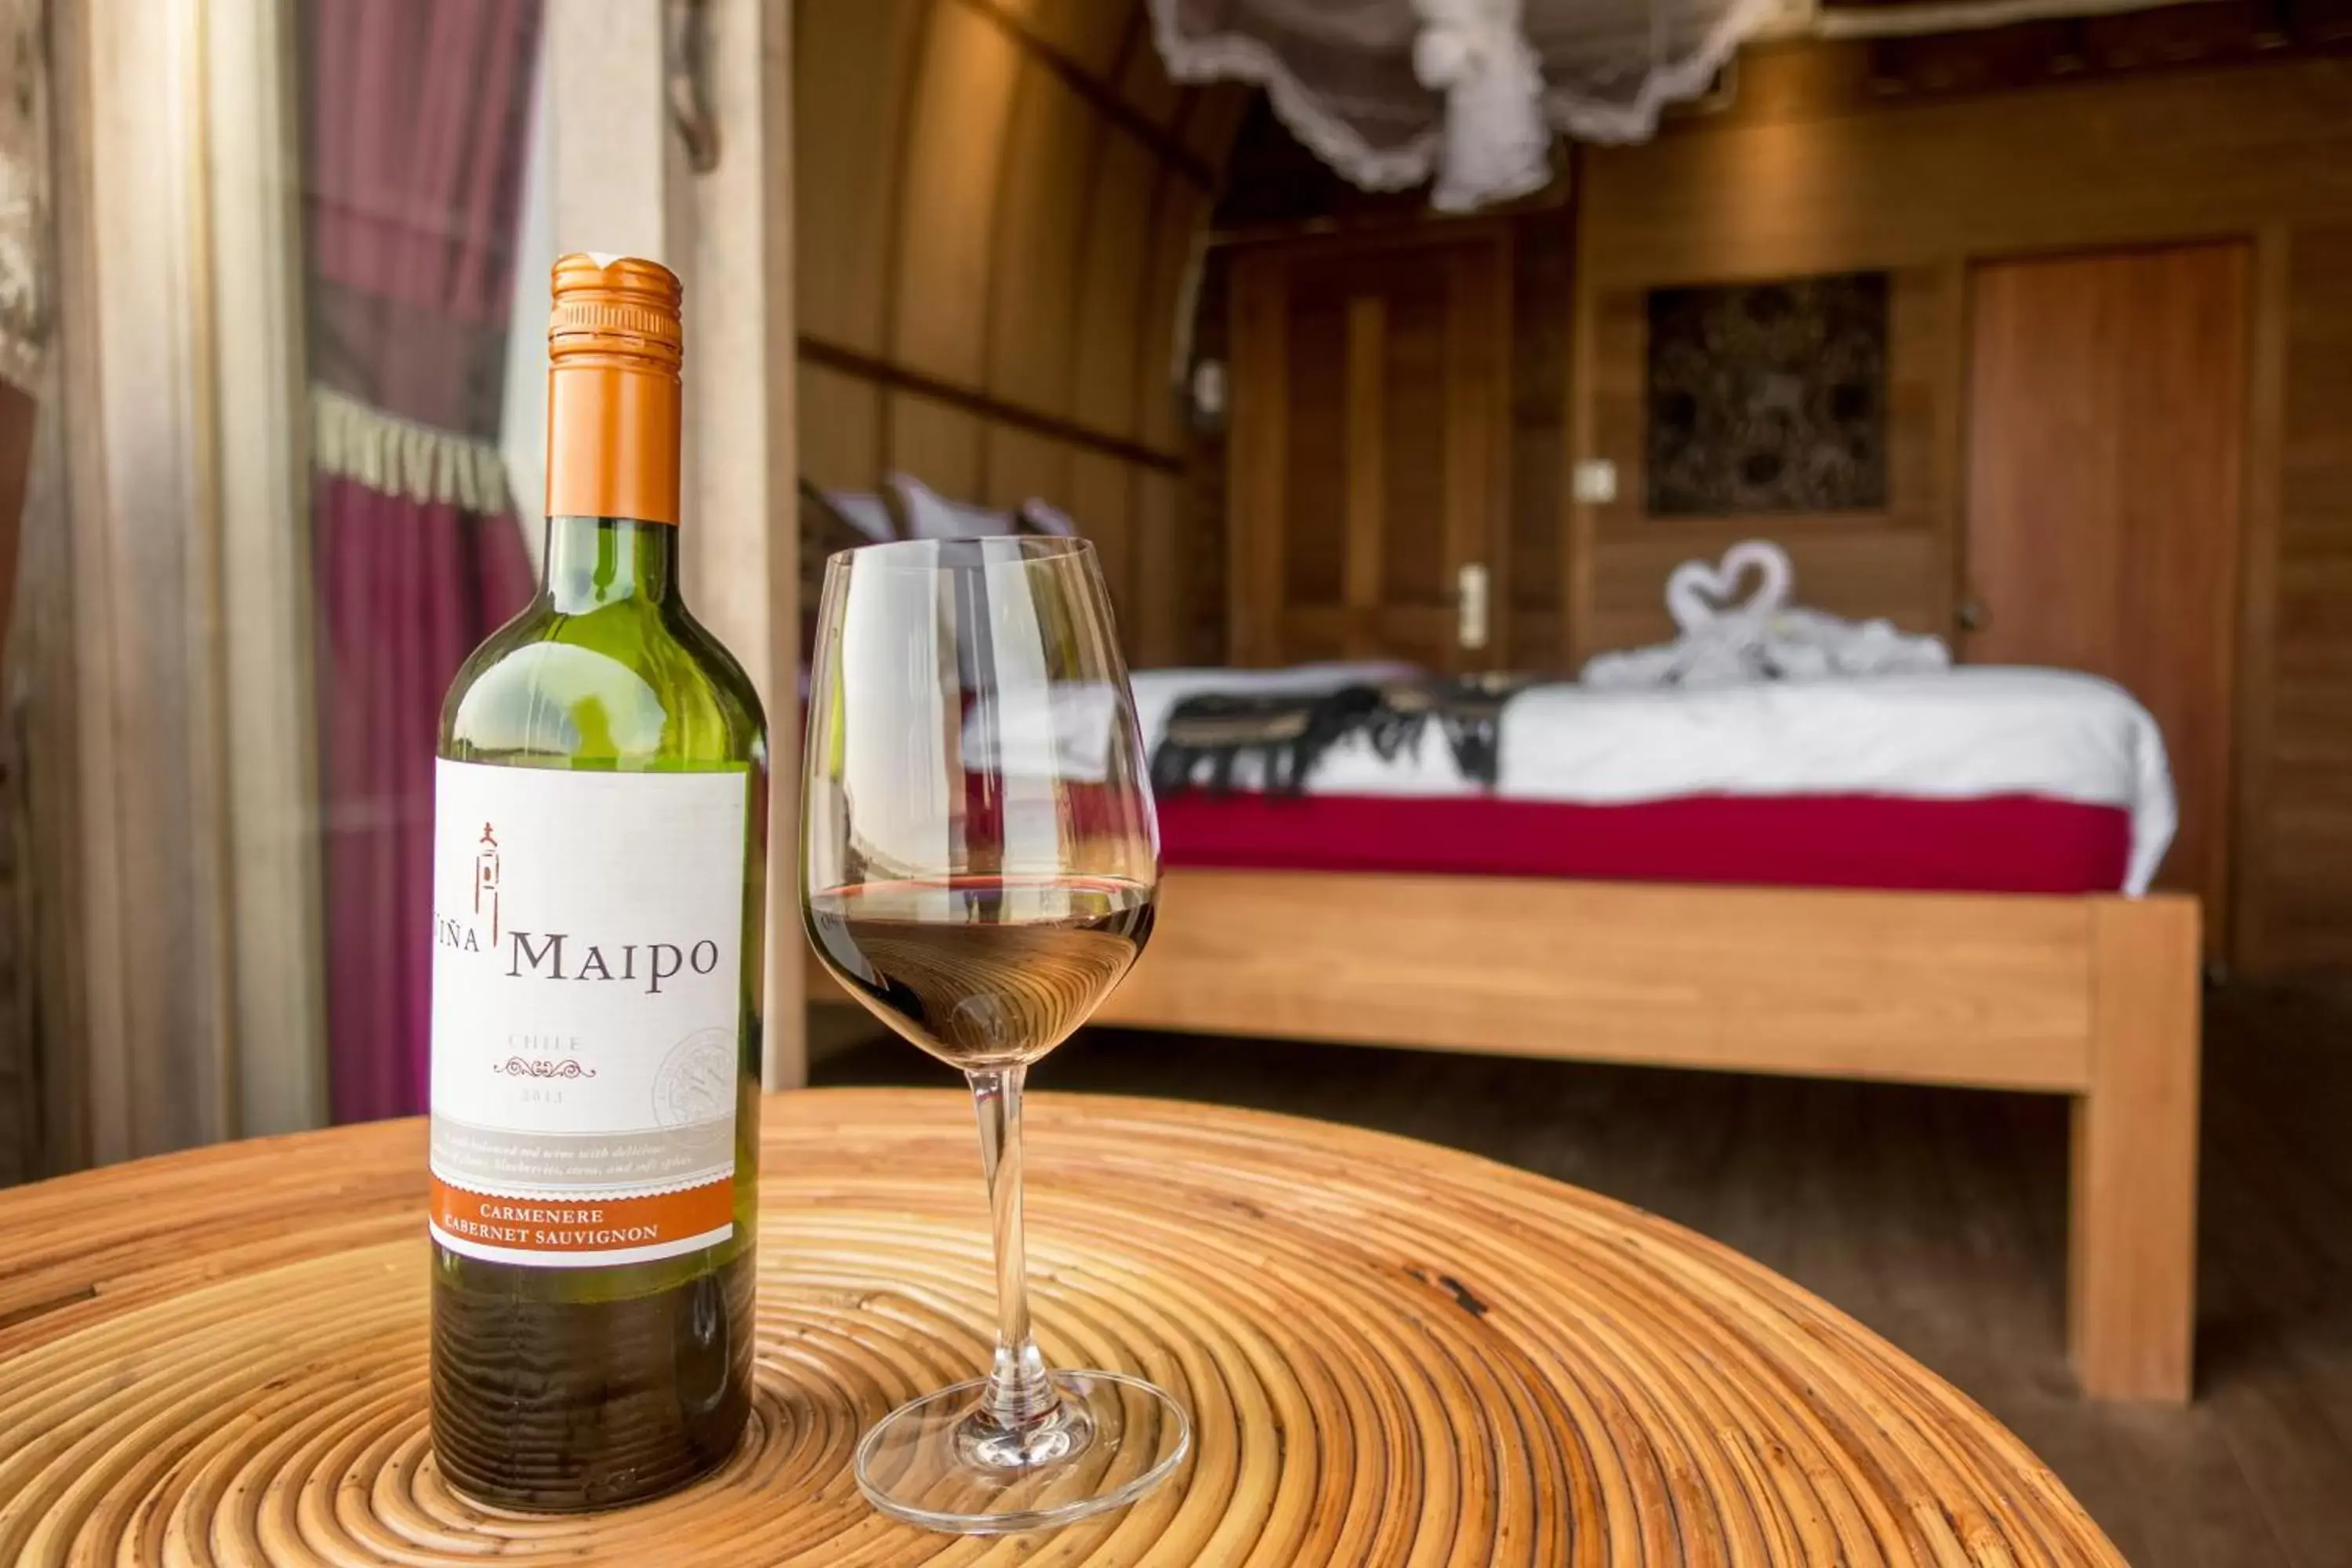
[(599, 848)]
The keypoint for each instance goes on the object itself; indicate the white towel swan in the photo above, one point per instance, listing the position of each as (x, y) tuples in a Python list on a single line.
[(1727, 639)]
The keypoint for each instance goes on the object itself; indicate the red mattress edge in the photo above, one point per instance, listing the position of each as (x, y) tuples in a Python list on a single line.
[(2002, 843)]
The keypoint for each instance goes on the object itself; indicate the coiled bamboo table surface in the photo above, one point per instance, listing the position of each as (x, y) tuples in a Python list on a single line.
[(1394, 1353)]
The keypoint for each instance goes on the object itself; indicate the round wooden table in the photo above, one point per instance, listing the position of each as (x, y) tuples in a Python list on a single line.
[(1394, 1353)]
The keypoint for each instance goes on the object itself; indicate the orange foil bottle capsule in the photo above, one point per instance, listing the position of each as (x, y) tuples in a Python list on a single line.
[(614, 348), (600, 835)]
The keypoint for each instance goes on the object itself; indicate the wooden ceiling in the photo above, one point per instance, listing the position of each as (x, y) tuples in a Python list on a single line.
[(998, 203), (2031, 53), (1867, 55)]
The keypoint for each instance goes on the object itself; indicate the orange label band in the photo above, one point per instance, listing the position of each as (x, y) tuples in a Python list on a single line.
[(584, 1231)]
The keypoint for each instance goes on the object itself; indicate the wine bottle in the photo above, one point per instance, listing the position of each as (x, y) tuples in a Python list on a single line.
[(599, 848)]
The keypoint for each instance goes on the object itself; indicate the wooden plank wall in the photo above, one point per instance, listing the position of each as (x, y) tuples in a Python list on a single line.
[(999, 202), (2304, 827), (1893, 562), (1808, 173)]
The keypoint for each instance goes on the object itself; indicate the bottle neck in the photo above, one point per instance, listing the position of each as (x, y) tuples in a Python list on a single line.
[(593, 562)]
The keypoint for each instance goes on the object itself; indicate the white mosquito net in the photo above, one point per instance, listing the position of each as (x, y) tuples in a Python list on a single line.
[(1465, 93)]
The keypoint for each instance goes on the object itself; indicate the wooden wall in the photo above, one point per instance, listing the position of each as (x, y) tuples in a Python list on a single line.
[(998, 207), (1810, 173), (1894, 562), (1276, 192)]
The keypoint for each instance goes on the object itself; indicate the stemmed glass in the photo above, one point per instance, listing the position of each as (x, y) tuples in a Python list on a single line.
[(978, 866)]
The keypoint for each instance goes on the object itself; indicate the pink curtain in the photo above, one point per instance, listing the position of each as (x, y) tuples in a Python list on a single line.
[(415, 118)]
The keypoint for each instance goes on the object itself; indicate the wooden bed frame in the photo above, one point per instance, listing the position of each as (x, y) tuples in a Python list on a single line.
[(2095, 997)]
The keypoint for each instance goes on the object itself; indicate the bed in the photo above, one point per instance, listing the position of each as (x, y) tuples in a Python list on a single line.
[(1935, 879)]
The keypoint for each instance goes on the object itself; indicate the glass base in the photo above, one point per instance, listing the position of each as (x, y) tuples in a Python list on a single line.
[(943, 1463)]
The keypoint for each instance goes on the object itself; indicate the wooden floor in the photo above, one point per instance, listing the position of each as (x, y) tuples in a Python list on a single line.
[(1937, 1217)]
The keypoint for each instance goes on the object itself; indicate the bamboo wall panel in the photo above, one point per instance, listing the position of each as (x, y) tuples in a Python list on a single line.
[(1154, 563), (1090, 34), (1104, 491), (998, 205), (1107, 296), (938, 442), (851, 123), (840, 426), (1021, 463), (949, 195), (1053, 152)]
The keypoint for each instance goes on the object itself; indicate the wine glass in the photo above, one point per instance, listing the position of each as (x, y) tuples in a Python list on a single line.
[(978, 866)]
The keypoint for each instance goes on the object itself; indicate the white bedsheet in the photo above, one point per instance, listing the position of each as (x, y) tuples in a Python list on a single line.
[(1969, 731), (1951, 735), (1070, 737)]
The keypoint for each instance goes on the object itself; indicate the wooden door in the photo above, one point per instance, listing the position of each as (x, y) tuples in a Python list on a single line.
[(2106, 432), (1369, 450)]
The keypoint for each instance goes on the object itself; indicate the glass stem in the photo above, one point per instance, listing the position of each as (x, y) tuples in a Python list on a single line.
[(1020, 1392)]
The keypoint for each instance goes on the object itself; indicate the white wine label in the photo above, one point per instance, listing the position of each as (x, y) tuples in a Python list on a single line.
[(587, 1007)]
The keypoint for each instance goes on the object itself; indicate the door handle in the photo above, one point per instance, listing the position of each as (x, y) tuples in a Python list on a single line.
[(1470, 606), (1973, 616)]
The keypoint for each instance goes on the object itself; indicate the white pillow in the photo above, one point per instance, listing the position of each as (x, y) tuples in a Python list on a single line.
[(864, 511), (930, 515), (1043, 517)]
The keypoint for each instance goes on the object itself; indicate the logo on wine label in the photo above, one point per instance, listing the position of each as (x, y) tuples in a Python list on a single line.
[(697, 1080), (485, 878), (587, 1012)]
